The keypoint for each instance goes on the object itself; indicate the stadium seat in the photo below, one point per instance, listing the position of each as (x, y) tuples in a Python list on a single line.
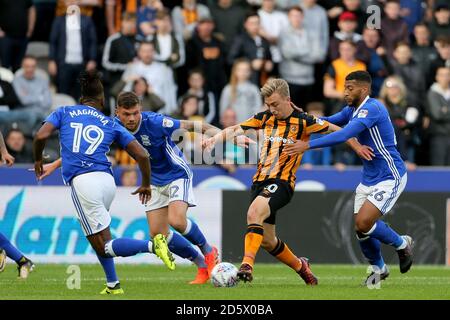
[(6, 75), (40, 50), (61, 99)]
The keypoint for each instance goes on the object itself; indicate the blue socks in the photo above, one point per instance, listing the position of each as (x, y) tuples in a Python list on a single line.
[(126, 247), (382, 232), (181, 247), (110, 271), (196, 237), (371, 248), (10, 250)]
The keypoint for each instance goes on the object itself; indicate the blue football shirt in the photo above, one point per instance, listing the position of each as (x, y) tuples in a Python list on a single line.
[(378, 133), (166, 159), (85, 135)]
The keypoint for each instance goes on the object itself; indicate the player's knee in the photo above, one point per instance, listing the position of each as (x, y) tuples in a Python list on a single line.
[(180, 226), (363, 224), (254, 214)]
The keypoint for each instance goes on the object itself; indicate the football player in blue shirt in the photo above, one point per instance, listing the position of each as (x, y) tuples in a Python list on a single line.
[(384, 177), (85, 137), (171, 182), (7, 249)]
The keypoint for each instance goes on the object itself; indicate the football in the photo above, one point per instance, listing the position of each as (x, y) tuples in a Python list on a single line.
[(224, 275)]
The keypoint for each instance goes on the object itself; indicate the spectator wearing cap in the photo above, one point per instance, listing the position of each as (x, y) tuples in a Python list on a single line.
[(422, 50), (206, 52), (334, 83), (17, 146), (394, 30), (355, 7), (299, 50), (252, 46), (272, 22), (229, 20), (186, 17), (33, 90), (442, 45), (336, 7), (376, 66), (440, 25), (347, 26), (439, 111)]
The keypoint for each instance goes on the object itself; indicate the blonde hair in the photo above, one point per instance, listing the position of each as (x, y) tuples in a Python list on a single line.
[(275, 85), (399, 83), (234, 79)]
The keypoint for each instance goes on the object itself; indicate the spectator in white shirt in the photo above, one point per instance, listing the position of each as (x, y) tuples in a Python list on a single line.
[(157, 74), (272, 22)]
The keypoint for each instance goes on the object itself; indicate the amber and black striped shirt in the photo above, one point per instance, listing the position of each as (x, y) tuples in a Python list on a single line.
[(273, 163)]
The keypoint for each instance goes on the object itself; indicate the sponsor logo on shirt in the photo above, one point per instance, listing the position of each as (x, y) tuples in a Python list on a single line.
[(363, 113), (167, 123), (145, 140)]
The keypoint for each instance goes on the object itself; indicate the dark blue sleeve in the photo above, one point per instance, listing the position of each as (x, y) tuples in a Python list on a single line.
[(122, 136), (340, 119), (55, 117), (350, 131)]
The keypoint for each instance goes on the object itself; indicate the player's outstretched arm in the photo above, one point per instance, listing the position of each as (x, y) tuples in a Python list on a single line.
[(141, 156), (224, 135), (38, 146), (206, 128), (364, 152), (49, 168), (337, 137), (5, 156)]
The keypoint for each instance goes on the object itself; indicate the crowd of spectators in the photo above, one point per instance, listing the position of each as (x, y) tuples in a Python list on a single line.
[(206, 60)]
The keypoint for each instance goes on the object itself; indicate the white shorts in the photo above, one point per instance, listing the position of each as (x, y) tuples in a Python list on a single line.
[(178, 190), (92, 195), (383, 195)]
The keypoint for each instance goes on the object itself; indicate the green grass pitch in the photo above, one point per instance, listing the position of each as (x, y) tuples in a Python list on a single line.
[(272, 281)]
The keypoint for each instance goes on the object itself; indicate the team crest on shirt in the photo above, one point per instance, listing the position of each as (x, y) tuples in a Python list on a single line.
[(167, 123), (363, 113), (145, 140), (293, 129)]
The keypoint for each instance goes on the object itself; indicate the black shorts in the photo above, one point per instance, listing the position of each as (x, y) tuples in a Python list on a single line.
[(278, 191)]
